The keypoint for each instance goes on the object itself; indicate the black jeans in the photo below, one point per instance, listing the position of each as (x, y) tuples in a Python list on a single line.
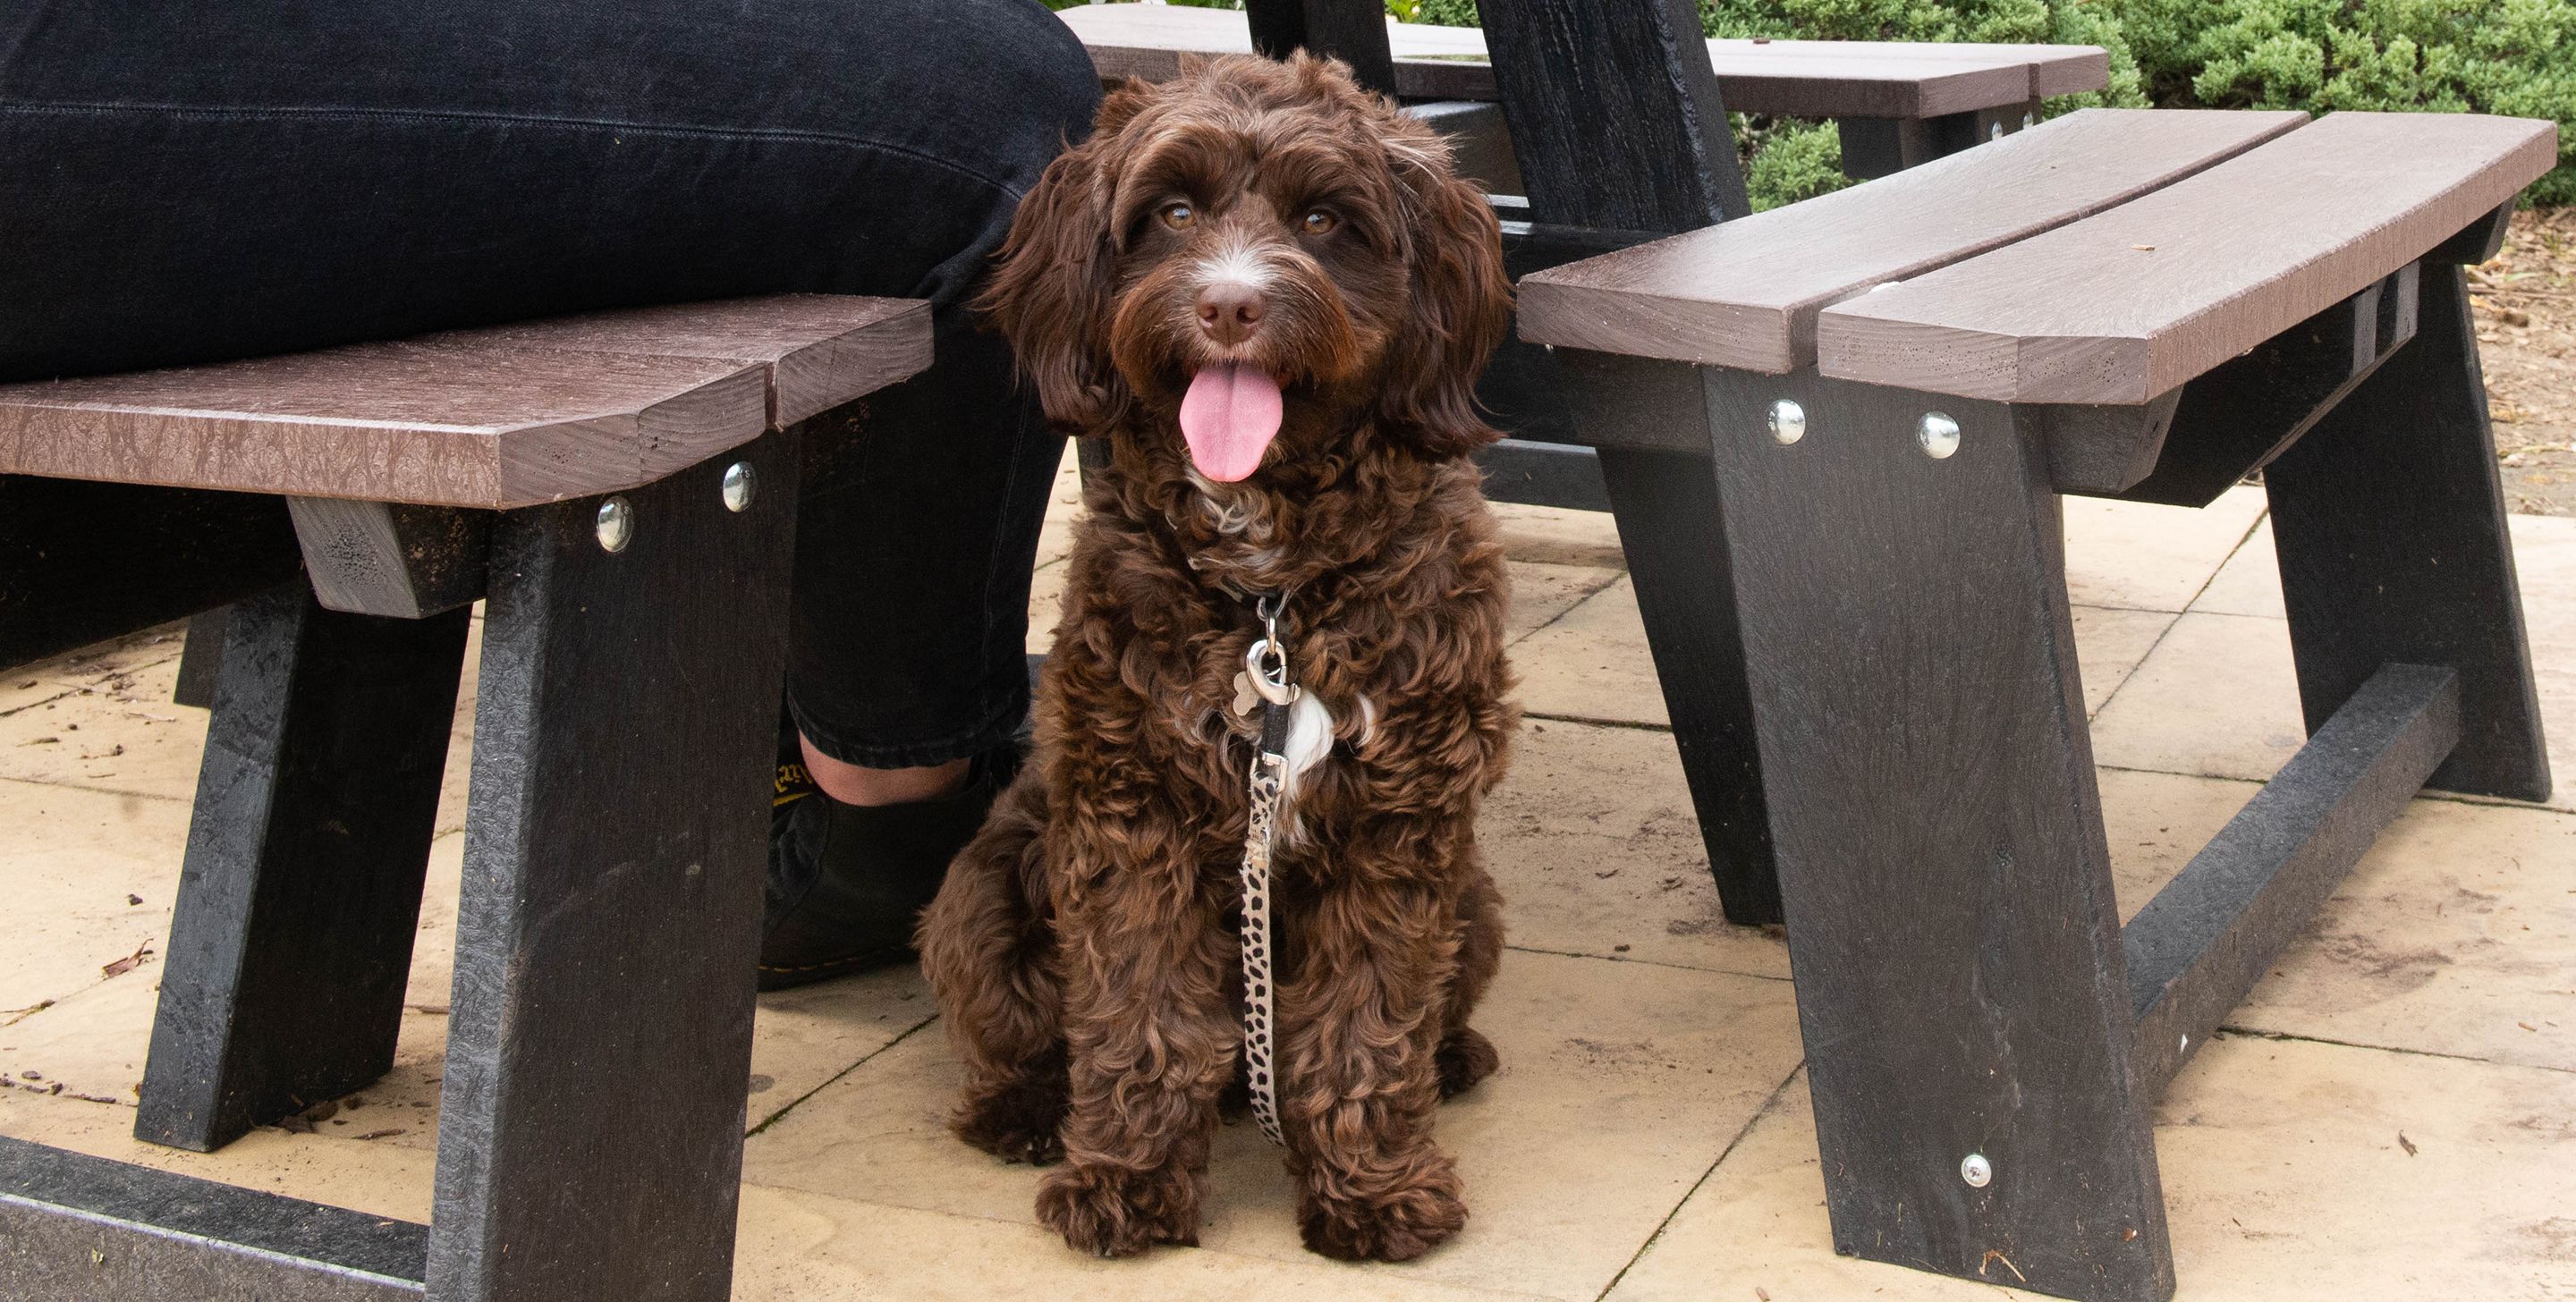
[(194, 182)]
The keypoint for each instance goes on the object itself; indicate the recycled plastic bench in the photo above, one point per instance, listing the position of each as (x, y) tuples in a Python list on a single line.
[(1881, 394), (621, 490)]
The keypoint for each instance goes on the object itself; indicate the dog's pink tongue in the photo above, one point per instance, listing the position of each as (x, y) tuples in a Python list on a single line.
[(1229, 417)]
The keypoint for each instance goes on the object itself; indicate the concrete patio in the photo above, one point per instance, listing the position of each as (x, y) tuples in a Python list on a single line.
[(2391, 1114)]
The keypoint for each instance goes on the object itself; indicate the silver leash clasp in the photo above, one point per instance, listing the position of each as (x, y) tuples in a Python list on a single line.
[(1265, 662)]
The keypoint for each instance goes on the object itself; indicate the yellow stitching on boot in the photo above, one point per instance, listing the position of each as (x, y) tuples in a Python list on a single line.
[(783, 787)]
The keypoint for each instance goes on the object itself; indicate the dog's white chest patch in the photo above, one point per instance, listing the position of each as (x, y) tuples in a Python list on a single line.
[(1310, 736)]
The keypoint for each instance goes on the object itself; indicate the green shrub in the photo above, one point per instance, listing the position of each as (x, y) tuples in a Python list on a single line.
[(2515, 57)]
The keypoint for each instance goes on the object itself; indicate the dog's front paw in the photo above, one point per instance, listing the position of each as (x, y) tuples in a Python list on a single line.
[(1465, 1057), (1108, 1211), (1397, 1225), (1017, 1122)]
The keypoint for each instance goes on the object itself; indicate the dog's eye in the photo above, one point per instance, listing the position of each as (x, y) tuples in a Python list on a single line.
[(1180, 216), (1320, 221)]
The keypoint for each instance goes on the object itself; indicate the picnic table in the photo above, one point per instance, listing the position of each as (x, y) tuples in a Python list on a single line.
[(1896, 103)]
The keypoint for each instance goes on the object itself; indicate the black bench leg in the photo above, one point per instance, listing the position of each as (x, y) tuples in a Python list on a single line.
[(292, 935), (1667, 508), (590, 1144), (2390, 524), (201, 658), (1961, 986)]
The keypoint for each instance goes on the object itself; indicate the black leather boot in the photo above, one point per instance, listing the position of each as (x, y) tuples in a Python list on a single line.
[(847, 882)]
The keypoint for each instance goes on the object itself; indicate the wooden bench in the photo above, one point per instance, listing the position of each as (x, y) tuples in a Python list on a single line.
[(620, 490), (1876, 398)]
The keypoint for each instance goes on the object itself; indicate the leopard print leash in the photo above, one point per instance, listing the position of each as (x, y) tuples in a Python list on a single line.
[(1264, 681)]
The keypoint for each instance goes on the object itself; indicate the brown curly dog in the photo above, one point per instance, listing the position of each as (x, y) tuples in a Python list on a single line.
[(1265, 288)]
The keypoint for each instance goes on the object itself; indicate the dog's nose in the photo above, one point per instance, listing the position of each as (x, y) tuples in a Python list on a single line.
[(1230, 311)]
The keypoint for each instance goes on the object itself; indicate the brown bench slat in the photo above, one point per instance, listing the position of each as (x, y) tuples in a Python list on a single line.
[(2054, 69), (821, 349), (1814, 79), (1802, 78), (507, 416), (2129, 304), (1747, 293)]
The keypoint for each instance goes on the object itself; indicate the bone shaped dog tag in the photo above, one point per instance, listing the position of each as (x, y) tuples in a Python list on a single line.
[(1245, 700)]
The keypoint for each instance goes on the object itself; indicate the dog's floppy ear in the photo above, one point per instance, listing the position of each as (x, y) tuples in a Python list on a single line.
[(1461, 303), (1056, 273)]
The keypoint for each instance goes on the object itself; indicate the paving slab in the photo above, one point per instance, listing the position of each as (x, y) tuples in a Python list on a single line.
[(1593, 661), (91, 1043), (2455, 935), (792, 1246), (1064, 506), (802, 1040), (2249, 583), (93, 668), (1657, 1066), (798, 1246), (1542, 593), (117, 730), (2284, 1178), (1556, 536), (2218, 697), (2287, 1174), (117, 733), (2110, 643), (1593, 842), (2220, 694), (2148, 557), (371, 1176), (1046, 606), (87, 878), (2544, 554)]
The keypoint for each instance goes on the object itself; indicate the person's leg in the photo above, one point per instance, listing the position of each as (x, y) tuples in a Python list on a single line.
[(857, 784), (262, 176), (907, 667), (192, 183)]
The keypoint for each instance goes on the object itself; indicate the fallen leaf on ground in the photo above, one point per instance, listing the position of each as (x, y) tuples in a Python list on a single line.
[(130, 962)]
